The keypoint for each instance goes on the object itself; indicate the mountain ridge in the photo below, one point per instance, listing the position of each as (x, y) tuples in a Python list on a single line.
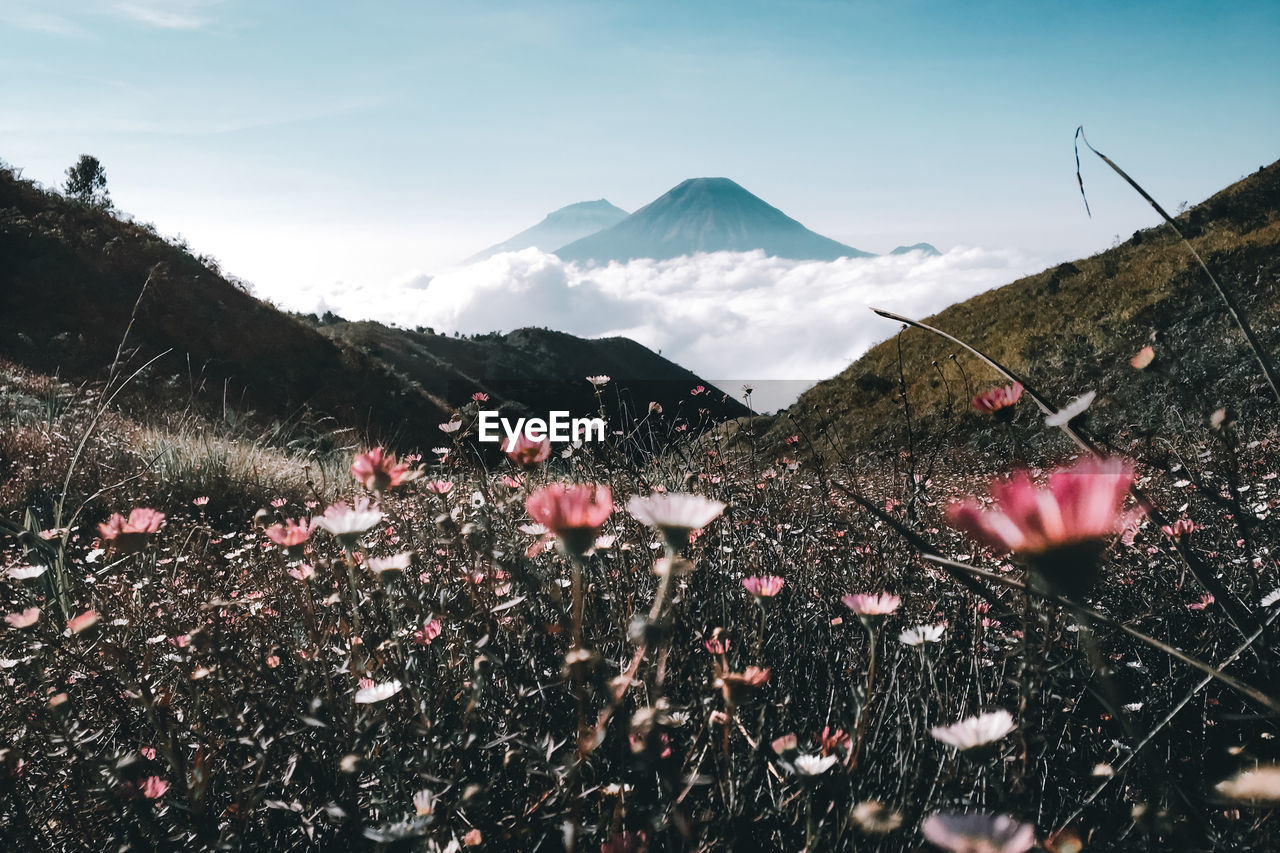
[(705, 215), (558, 228), (927, 248)]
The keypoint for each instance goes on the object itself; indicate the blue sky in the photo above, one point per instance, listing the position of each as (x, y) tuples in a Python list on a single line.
[(303, 142)]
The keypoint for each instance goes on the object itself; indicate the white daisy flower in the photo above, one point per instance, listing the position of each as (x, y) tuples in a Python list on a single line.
[(813, 765), (1259, 785), (378, 692), (976, 731), (676, 514), (1071, 410), (26, 573), (346, 523), (394, 563), (922, 634)]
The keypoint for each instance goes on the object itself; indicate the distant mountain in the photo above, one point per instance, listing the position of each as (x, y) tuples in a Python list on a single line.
[(706, 215), (70, 279), (916, 247), (560, 227)]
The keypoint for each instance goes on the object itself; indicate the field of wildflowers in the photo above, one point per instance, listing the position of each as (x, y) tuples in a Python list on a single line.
[(996, 632), (719, 648)]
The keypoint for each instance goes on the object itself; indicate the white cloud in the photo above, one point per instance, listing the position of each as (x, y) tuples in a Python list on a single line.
[(729, 317), (37, 17), (68, 17), (168, 14)]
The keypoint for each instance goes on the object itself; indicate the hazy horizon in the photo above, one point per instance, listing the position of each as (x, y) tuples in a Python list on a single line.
[(324, 149)]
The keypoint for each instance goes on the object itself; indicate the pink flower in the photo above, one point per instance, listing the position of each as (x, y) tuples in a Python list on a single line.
[(716, 644), (428, 632), (303, 572), (978, 833), (765, 586), (785, 744), (872, 610), (999, 402), (480, 397), (525, 452), (574, 513), (153, 787), (25, 619), (1143, 359), (872, 605), (1061, 530), (132, 535), (84, 621), (829, 740), (378, 470), (1181, 527), (737, 686), (200, 501), (292, 534), (439, 487)]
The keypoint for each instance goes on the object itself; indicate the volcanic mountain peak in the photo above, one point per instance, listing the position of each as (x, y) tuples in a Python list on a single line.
[(585, 211), (559, 227), (927, 248), (706, 215)]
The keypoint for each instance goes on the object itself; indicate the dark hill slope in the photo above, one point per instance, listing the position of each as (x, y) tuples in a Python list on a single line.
[(1074, 327), (537, 370), (70, 276)]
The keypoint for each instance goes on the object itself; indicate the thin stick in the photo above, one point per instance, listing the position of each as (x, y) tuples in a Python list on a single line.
[(1168, 718), (1253, 693), (1233, 308), (1236, 612)]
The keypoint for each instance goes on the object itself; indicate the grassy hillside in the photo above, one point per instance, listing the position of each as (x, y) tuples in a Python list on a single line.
[(70, 276), (1074, 327)]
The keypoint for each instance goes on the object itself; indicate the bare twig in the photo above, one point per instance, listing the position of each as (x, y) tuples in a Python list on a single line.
[(1233, 308)]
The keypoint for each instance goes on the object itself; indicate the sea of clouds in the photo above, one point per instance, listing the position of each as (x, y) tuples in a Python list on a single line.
[(730, 317)]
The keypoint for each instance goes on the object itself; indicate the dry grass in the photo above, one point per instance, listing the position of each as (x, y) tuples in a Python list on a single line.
[(1073, 327), (194, 461)]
